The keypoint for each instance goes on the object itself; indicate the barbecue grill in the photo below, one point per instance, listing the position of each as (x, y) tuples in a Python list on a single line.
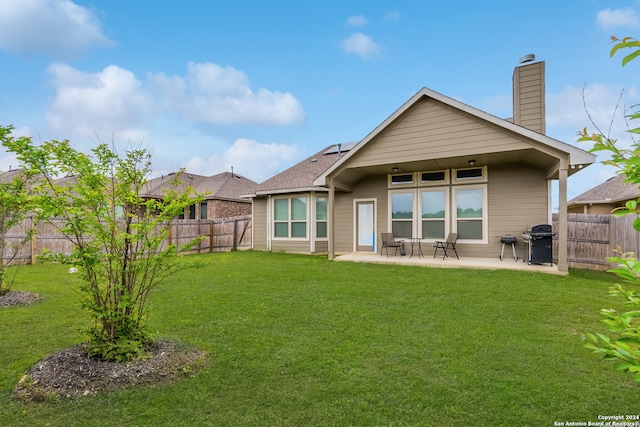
[(540, 239)]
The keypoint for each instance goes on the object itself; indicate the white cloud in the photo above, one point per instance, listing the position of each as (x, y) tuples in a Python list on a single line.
[(566, 114), (109, 101), (362, 45), (357, 21), (55, 27), (214, 94), (625, 17), (114, 100), (249, 158)]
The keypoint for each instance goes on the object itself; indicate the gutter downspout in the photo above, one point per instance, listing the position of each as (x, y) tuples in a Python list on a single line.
[(562, 216)]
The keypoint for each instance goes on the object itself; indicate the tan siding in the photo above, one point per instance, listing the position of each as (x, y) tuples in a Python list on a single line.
[(322, 247), (529, 97), (597, 208), (260, 224), (297, 246), (431, 130), (374, 187), (518, 198)]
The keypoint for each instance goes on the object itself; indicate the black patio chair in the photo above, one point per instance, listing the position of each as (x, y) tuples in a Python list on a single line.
[(446, 245), (388, 241)]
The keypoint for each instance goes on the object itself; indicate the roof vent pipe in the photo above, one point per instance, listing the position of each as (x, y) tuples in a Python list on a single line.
[(528, 58)]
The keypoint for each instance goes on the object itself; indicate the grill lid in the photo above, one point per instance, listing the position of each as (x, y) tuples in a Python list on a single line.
[(542, 229)]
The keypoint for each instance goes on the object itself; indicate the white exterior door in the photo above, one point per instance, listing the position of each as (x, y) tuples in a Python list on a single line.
[(365, 225)]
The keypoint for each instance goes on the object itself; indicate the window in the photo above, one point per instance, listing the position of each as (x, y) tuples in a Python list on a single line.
[(433, 210), (402, 214), (434, 177), (321, 217), (192, 211), (290, 217), (401, 180), (203, 210), (470, 210), (470, 175), (440, 204)]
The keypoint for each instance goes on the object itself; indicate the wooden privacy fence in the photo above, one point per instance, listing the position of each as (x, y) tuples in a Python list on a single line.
[(218, 235), (592, 239)]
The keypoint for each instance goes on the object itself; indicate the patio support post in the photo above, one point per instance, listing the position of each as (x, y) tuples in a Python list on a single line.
[(330, 209), (562, 216)]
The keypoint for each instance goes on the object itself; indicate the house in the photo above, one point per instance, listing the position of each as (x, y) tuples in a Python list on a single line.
[(434, 166), (221, 193), (604, 198)]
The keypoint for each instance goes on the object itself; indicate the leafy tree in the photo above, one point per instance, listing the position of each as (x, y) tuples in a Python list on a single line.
[(623, 348), (119, 238), (15, 205)]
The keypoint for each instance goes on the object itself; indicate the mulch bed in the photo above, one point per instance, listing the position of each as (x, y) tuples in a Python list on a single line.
[(71, 372), (18, 298)]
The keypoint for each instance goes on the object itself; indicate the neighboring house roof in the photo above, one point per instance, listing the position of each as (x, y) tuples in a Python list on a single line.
[(9, 175), (301, 177), (578, 157), (226, 185), (613, 190)]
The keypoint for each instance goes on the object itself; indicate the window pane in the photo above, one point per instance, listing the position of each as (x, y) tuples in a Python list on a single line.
[(433, 176), (298, 229), (433, 229), (469, 229), (321, 229), (192, 211), (281, 209), (401, 229), (321, 208), (469, 173), (433, 204), (469, 203), (402, 205), (203, 210), (402, 179), (281, 229), (299, 208)]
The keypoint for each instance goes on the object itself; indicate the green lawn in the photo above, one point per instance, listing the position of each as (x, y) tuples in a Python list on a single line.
[(303, 341)]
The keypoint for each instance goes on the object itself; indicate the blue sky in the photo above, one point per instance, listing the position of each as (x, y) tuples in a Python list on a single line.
[(258, 86)]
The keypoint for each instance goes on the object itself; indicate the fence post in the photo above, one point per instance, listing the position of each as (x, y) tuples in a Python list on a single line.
[(235, 235), (211, 236), (34, 243)]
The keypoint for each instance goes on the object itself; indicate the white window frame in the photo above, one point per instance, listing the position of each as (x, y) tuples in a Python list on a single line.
[(444, 181), (289, 221), (485, 212), (315, 220), (455, 180), (414, 211), (392, 184), (447, 210)]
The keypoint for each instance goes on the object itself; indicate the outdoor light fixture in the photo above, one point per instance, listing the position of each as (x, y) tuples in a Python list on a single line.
[(395, 169), (472, 162)]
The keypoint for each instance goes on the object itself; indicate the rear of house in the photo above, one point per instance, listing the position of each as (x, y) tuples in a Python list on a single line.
[(433, 167)]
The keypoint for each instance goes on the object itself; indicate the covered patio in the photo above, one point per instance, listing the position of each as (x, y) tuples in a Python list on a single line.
[(450, 262)]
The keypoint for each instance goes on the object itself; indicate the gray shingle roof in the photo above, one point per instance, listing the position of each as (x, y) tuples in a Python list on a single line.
[(303, 174), (612, 190), (224, 185)]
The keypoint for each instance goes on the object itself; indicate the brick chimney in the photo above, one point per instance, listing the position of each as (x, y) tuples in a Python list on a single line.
[(528, 94)]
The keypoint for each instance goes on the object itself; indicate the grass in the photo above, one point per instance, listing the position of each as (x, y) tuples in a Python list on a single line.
[(300, 340)]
